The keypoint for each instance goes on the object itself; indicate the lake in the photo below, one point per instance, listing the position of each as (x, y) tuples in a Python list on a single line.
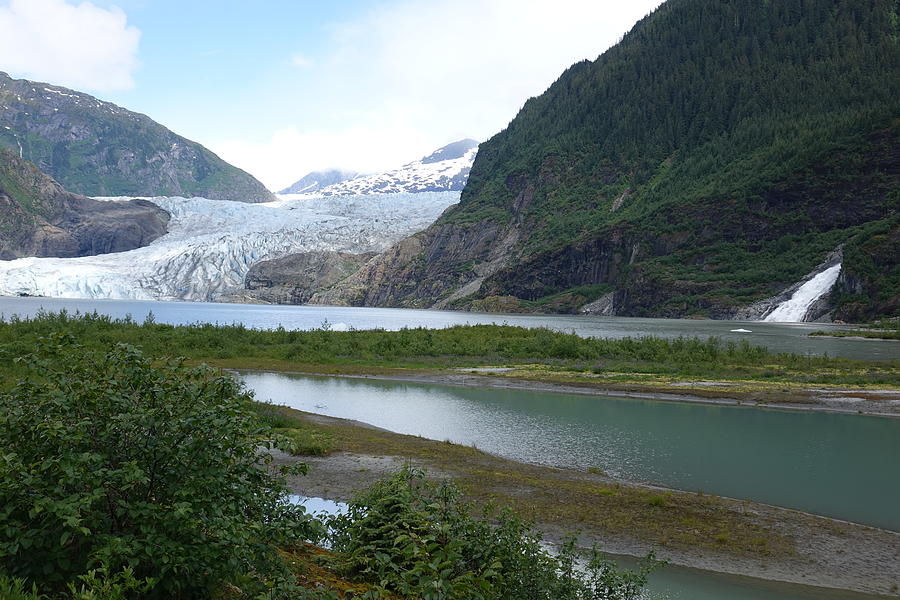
[(778, 337)]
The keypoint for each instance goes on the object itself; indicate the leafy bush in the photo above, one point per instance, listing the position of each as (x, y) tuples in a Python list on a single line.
[(121, 478), (418, 539)]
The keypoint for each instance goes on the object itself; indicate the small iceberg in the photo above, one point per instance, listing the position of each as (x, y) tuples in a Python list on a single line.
[(741, 331)]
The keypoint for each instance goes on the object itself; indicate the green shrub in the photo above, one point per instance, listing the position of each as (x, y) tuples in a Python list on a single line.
[(418, 539), (119, 477)]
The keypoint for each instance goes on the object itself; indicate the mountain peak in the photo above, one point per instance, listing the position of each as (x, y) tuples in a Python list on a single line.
[(444, 170), (318, 180), (452, 150)]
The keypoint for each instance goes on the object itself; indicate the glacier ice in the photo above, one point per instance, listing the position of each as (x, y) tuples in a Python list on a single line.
[(212, 244)]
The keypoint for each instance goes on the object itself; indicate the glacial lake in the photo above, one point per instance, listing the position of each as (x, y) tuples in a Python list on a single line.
[(838, 465), (778, 337)]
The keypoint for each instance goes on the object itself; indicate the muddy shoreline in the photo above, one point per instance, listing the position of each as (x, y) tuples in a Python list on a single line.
[(825, 552)]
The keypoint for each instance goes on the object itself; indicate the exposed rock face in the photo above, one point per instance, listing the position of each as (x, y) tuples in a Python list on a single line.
[(293, 279), (39, 218), (96, 148)]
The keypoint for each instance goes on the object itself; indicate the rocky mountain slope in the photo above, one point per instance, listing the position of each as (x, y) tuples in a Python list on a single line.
[(444, 170), (710, 160), (96, 148), (39, 218), (293, 279), (318, 180)]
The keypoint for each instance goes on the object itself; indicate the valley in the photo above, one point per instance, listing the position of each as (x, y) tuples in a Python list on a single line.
[(656, 307)]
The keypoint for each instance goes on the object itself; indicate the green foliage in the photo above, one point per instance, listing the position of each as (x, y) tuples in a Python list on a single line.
[(121, 478), (418, 539), (731, 144), (469, 345)]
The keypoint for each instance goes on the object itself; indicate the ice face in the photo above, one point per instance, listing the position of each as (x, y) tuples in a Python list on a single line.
[(212, 244)]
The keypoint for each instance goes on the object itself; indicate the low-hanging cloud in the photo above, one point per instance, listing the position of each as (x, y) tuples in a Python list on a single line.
[(77, 44), (409, 76)]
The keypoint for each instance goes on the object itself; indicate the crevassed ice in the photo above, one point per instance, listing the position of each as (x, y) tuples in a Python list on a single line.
[(793, 310), (212, 244)]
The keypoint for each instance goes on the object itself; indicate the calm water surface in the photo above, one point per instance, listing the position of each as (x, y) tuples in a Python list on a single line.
[(842, 466), (779, 337)]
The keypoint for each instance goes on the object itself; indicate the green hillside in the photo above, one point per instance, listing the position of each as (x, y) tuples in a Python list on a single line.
[(714, 157), (96, 148)]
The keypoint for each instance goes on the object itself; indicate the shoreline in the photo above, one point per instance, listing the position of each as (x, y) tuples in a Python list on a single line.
[(822, 552), (817, 399)]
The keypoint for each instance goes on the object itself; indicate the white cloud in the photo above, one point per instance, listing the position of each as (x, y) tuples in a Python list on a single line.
[(410, 76), (302, 61), (78, 45)]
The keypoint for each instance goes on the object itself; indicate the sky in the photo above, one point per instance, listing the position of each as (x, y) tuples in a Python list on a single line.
[(284, 87)]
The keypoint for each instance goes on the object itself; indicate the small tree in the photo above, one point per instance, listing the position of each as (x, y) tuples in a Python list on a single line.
[(113, 464)]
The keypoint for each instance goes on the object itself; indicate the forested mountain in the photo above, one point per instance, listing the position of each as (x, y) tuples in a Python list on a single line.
[(39, 218), (96, 148), (712, 158)]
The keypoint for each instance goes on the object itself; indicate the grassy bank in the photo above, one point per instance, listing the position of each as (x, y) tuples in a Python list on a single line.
[(539, 354), (888, 329)]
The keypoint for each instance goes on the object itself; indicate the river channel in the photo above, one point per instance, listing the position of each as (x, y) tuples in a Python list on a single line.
[(838, 465)]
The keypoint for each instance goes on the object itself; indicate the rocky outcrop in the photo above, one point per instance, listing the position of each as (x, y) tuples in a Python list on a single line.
[(96, 148), (293, 279), (39, 218)]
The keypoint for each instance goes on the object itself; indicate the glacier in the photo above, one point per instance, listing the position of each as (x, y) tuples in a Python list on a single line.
[(211, 244)]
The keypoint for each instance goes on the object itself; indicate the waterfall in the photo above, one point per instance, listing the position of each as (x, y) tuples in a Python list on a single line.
[(794, 308)]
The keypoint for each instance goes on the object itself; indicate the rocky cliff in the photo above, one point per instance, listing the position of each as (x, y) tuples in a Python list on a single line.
[(293, 279), (40, 218), (96, 148), (671, 179)]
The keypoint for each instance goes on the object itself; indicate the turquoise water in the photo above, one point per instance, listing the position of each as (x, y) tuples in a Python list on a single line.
[(779, 337), (843, 466)]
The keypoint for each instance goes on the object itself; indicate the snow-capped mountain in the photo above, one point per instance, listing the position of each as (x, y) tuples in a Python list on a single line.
[(445, 169), (318, 180), (212, 244)]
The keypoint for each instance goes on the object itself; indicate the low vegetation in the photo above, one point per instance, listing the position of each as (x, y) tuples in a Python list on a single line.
[(541, 353), (126, 477), (887, 329)]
